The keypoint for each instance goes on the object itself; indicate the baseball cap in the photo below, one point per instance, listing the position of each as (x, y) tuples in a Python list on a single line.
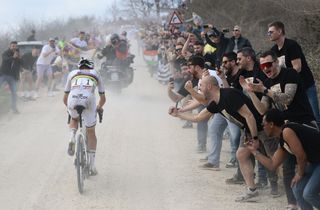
[(213, 33), (51, 39)]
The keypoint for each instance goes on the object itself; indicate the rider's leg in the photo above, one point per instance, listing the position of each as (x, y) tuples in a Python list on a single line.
[(73, 126), (92, 145)]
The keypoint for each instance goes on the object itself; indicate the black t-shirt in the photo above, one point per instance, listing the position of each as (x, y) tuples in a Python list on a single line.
[(231, 100), (28, 61), (299, 109), (182, 91), (309, 138), (210, 57), (292, 50), (233, 79), (251, 76)]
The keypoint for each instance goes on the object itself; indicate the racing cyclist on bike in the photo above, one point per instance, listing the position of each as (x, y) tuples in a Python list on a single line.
[(80, 90)]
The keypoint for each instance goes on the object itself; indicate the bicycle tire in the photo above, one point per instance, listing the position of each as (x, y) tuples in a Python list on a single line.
[(80, 164)]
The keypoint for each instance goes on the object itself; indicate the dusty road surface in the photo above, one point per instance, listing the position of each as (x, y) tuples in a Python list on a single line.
[(145, 160)]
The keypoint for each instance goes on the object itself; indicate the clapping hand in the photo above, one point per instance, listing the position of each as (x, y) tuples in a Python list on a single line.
[(188, 86), (244, 84)]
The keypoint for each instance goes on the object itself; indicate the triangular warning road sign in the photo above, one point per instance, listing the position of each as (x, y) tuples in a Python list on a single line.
[(175, 19)]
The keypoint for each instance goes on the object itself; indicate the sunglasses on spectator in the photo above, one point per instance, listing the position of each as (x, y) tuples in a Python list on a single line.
[(269, 33), (235, 29), (266, 65), (178, 49)]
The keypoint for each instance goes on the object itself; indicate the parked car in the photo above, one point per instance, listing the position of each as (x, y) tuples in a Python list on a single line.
[(26, 46)]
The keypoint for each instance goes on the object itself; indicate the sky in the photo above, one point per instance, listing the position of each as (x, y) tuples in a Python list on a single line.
[(13, 12)]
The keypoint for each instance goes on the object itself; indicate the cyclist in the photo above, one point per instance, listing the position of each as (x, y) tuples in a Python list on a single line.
[(80, 90)]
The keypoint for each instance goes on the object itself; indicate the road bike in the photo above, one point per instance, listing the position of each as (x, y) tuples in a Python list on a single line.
[(82, 160)]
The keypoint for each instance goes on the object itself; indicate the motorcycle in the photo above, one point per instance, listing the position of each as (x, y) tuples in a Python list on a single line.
[(117, 75)]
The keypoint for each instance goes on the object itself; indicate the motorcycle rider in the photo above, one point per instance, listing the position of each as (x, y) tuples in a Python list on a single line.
[(117, 54)]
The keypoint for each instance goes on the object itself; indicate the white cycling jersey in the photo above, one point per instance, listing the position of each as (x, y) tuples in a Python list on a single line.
[(81, 85)]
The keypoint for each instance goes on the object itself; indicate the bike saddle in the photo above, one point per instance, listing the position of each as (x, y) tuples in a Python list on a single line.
[(79, 108)]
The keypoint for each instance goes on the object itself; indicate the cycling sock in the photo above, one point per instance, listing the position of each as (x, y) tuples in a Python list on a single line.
[(72, 134), (92, 154)]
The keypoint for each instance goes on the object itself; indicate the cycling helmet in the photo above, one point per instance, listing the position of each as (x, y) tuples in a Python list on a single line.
[(114, 37), (85, 63)]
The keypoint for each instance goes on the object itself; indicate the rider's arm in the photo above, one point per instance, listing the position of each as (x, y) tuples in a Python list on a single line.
[(67, 89), (65, 98), (102, 101)]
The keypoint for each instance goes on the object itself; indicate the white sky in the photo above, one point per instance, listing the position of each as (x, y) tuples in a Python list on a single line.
[(12, 12)]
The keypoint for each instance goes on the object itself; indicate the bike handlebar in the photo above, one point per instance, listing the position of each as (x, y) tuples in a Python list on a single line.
[(100, 114)]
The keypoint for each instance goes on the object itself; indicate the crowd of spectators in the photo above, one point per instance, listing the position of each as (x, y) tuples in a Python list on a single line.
[(39, 71), (236, 93)]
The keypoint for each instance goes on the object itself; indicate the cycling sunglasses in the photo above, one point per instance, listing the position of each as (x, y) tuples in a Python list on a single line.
[(266, 65)]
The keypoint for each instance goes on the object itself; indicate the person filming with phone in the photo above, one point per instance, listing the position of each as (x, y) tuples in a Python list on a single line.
[(10, 72)]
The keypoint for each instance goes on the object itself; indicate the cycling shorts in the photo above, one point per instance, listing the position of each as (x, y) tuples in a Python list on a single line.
[(89, 114)]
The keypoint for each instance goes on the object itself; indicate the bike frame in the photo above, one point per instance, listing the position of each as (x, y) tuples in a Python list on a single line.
[(82, 160)]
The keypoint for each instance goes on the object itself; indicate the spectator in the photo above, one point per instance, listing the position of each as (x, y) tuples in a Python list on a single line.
[(217, 40), (47, 54), (79, 42), (215, 127), (10, 71), (301, 141), (198, 49), (230, 71), (290, 55), (250, 71), (32, 36), (238, 41), (235, 106), (28, 63), (285, 92)]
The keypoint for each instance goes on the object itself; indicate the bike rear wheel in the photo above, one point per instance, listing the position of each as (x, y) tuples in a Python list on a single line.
[(80, 163)]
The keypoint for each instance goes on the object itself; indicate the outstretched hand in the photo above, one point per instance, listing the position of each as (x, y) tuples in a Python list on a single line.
[(173, 111)]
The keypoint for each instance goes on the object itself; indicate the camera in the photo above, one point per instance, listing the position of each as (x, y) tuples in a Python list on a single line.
[(225, 30), (205, 26)]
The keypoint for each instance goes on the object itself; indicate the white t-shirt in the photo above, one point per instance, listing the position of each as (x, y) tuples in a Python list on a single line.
[(79, 43), (213, 73), (47, 60)]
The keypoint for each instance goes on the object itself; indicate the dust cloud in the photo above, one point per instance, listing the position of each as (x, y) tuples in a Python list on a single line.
[(144, 159)]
